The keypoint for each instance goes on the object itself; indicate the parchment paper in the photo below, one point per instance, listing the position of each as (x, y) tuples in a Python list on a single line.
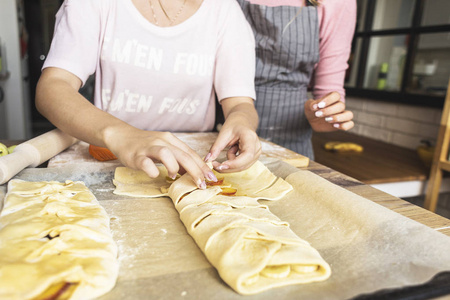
[(368, 246)]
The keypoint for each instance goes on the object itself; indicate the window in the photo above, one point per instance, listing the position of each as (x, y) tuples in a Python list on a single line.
[(401, 51)]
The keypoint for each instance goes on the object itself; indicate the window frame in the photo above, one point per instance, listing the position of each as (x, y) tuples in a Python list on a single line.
[(413, 32)]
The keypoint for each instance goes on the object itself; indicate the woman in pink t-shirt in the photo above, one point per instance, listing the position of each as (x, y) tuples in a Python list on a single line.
[(301, 44), (158, 66)]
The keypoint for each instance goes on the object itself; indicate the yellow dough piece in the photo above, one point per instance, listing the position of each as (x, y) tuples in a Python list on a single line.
[(260, 184), (250, 247), (55, 243), (343, 147), (251, 280), (137, 183)]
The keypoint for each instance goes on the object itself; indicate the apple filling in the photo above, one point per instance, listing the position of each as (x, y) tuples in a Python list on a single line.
[(280, 272), (228, 191), (212, 183), (58, 291)]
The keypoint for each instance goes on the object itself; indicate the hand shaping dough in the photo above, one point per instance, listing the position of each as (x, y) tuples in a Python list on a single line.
[(55, 242), (250, 247)]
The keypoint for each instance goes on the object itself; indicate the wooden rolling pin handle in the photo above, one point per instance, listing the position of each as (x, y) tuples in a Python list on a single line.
[(34, 152)]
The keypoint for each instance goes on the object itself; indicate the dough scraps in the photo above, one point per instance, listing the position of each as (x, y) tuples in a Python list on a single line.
[(55, 242), (250, 247)]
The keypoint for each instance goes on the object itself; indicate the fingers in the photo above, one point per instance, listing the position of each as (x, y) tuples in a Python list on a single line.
[(332, 109), (244, 149), (339, 118), (342, 117), (224, 139), (143, 151), (249, 150), (328, 113), (173, 159), (232, 153), (197, 173), (325, 106), (309, 109), (193, 157), (167, 158), (145, 161), (241, 162), (147, 165), (344, 126), (325, 101)]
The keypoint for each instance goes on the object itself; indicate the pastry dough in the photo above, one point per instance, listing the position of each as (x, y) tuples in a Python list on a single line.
[(257, 182), (137, 183), (250, 247), (54, 237)]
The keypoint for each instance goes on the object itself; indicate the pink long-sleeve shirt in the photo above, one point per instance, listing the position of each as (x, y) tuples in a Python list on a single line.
[(337, 19)]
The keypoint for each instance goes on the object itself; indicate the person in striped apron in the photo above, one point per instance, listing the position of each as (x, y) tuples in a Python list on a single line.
[(300, 44)]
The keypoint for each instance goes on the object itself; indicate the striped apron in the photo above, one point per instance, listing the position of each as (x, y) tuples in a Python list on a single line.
[(285, 59)]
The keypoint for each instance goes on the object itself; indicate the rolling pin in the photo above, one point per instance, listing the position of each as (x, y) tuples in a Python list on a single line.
[(34, 152)]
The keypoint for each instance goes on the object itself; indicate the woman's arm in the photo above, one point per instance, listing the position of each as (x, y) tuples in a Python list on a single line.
[(337, 25), (58, 99), (239, 134)]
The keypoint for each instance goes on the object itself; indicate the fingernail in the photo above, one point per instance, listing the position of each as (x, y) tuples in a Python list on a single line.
[(321, 104), (173, 176), (319, 113), (315, 106), (208, 156), (211, 176), (329, 119), (223, 167), (199, 183), (336, 125), (202, 185)]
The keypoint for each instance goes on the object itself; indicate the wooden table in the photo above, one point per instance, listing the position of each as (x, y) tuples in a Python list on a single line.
[(132, 242), (380, 162), (398, 205), (393, 169)]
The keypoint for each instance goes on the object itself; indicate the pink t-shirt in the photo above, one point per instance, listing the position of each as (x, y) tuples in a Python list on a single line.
[(152, 77), (337, 20)]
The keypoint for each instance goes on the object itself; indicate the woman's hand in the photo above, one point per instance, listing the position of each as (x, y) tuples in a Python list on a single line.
[(328, 114), (238, 134), (58, 99), (140, 149)]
